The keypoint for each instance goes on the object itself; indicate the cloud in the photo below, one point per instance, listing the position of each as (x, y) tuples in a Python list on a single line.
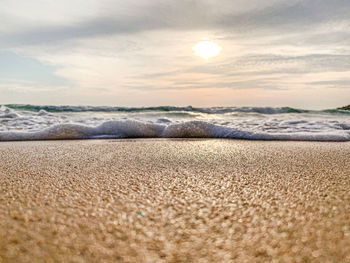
[(292, 14), (308, 63), (344, 83), (186, 15)]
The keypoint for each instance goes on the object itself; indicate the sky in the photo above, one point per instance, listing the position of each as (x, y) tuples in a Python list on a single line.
[(139, 53)]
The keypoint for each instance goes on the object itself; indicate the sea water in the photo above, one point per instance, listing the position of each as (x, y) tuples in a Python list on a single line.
[(31, 122)]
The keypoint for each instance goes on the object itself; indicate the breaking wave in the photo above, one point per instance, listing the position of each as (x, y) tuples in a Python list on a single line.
[(29, 122)]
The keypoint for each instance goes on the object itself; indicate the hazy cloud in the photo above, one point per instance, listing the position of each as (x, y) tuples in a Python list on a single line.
[(186, 15)]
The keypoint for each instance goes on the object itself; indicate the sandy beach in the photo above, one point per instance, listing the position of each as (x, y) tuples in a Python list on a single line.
[(174, 200)]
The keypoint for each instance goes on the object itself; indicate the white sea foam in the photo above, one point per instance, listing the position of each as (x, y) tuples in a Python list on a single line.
[(8, 113), (177, 122)]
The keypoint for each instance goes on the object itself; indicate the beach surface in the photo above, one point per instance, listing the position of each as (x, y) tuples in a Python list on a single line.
[(174, 200)]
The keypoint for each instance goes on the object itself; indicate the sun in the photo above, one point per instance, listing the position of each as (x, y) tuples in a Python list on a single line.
[(206, 49)]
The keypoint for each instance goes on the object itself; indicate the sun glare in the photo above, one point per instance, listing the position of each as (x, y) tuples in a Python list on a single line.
[(206, 49)]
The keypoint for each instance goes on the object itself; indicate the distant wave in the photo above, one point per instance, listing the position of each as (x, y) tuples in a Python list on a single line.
[(138, 129), (210, 110)]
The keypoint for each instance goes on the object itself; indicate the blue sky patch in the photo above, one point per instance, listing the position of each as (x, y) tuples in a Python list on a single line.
[(15, 68)]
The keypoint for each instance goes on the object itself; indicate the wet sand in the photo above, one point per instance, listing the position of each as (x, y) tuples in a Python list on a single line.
[(163, 200)]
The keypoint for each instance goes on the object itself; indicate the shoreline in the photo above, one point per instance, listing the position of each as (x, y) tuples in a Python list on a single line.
[(174, 200), (117, 139)]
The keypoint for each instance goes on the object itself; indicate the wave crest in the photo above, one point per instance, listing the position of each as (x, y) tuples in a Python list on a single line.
[(211, 110)]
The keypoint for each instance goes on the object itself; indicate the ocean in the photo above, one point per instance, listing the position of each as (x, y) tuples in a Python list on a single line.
[(32, 122)]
